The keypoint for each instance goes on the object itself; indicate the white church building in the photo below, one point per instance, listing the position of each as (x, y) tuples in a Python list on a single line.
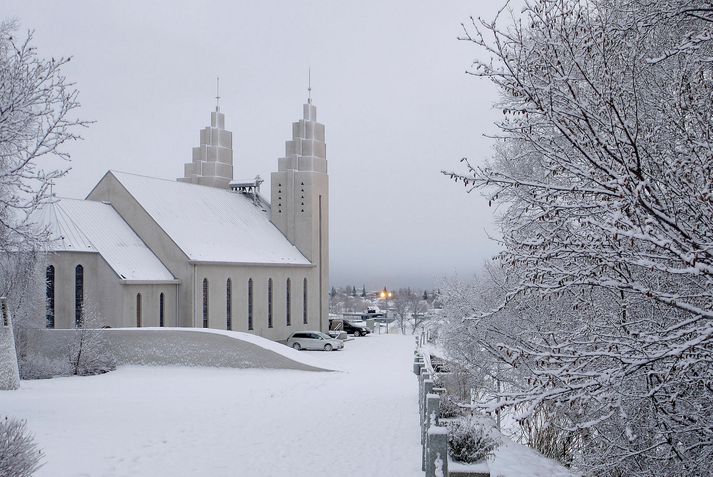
[(204, 250)]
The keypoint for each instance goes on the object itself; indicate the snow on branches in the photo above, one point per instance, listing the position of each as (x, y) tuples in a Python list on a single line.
[(604, 163), (36, 119)]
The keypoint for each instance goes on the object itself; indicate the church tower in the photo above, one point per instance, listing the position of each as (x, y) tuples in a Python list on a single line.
[(212, 163), (300, 197)]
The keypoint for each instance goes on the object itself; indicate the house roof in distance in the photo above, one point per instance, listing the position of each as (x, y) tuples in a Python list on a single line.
[(211, 224), (89, 226)]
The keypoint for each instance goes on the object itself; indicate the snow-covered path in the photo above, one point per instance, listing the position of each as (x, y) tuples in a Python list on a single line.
[(141, 421)]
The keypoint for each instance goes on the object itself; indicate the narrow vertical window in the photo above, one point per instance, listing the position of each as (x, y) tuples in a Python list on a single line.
[(161, 310), (304, 301), (78, 295), (138, 310), (229, 304), (49, 276), (250, 304), (269, 303), (288, 304), (205, 303)]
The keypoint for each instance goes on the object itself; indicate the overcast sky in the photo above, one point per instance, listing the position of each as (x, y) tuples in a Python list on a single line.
[(387, 79)]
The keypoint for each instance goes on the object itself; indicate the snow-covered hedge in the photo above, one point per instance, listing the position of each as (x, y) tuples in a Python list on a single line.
[(469, 441), (448, 407), (36, 366), (19, 455)]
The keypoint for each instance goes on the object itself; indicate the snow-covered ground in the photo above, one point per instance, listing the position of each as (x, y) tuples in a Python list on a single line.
[(171, 421)]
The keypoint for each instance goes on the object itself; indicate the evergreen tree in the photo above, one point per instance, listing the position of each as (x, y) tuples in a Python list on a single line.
[(363, 291), (425, 294)]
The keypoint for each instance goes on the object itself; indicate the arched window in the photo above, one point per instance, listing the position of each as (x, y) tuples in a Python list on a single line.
[(49, 276), (288, 304), (229, 304), (161, 308), (304, 301), (78, 295), (269, 303), (250, 304), (138, 310), (205, 303)]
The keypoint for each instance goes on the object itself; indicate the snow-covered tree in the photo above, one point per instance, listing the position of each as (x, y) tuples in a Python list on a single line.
[(22, 281), (401, 306), (603, 168), (87, 352), (37, 107)]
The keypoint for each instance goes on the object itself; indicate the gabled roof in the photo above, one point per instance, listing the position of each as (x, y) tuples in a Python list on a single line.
[(89, 226), (210, 224)]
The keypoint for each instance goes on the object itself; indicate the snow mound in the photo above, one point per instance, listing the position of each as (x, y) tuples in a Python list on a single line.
[(183, 347), (268, 345)]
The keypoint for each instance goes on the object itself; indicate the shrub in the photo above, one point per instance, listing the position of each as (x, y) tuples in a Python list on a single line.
[(19, 455), (41, 367), (469, 441), (448, 407)]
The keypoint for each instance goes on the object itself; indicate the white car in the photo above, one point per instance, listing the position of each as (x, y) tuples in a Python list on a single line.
[(313, 340)]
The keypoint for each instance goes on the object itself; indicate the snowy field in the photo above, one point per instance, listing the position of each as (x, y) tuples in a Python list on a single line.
[(170, 421)]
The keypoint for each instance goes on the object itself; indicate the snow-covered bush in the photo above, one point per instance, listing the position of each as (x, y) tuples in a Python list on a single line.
[(19, 455), (448, 407), (35, 366), (469, 441), (88, 352)]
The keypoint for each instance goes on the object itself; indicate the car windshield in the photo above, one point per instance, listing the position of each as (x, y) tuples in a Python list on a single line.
[(325, 336)]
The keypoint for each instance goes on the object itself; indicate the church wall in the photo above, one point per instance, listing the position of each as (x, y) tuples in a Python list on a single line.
[(307, 226), (102, 291), (109, 189), (150, 305), (105, 297), (218, 275)]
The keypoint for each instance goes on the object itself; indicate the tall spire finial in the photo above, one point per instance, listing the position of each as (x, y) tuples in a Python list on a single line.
[(217, 93), (309, 86)]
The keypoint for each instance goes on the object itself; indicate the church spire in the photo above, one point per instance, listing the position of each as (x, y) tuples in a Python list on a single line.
[(212, 161), (309, 86), (217, 94)]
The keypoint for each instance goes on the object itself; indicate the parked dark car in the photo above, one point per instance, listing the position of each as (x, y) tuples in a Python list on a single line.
[(357, 328)]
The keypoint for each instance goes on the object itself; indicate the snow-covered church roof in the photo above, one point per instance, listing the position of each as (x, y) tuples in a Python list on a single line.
[(88, 226), (211, 224)]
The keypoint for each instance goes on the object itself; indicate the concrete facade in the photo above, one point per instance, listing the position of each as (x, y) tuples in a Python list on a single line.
[(300, 197), (302, 258), (112, 301)]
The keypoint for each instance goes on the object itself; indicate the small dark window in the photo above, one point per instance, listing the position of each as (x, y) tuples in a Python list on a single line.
[(138, 310), (269, 303), (229, 304), (49, 276), (205, 303), (250, 304), (288, 305), (304, 301), (78, 295), (161, 308)]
